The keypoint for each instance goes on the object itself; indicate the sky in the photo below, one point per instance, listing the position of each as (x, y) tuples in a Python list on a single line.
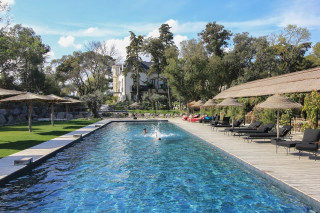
[(68, 25)]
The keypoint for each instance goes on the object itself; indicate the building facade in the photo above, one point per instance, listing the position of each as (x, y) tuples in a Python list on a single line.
[(123, 85)]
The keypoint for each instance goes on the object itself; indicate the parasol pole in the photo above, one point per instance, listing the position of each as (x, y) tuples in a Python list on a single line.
[(67, 111), (52, 110), (232, 116), (278, 134), (29, 115)]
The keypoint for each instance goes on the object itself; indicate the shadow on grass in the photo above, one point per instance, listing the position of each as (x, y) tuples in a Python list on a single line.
[(19, 145), (53, 133), (73, 127)]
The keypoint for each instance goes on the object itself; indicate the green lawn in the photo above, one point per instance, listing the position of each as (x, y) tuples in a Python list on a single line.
[(16, 138)]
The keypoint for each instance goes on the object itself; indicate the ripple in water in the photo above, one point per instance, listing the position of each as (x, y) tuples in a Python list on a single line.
[(120, 169)]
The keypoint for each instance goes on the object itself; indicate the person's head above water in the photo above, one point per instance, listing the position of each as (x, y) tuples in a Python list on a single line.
[(144, 131), (156, 137)]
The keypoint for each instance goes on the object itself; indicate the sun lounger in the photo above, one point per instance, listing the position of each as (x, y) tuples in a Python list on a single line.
[(310, 142), (254, 125), (236, 123), (261, 129), (283, 132)]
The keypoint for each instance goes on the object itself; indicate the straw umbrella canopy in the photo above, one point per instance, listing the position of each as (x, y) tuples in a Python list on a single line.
[(70, 101), (191, 103), (55, 99), (279, 102), (29, 98), (210, 104), (6, 92), (198, 104), (135, 105), (232, 103)]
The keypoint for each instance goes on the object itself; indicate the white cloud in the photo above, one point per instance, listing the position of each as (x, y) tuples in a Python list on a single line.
[(10, 2), (178, 39), (68, 41), (301, 13), (120, 45)]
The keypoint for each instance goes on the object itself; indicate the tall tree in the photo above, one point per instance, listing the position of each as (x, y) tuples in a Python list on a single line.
[(89, 72), (215, 38), (28, 56), (156, 48), (291, 45), (166, 37), (187, 75), (133, 61)]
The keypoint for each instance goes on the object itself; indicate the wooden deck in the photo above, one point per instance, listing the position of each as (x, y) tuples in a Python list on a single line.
[(300, 177)]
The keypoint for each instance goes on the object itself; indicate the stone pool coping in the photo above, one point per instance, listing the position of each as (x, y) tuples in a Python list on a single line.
[(45, 150), (300, 178)]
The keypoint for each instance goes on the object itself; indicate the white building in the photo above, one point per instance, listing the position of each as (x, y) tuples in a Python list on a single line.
[(123, 85)]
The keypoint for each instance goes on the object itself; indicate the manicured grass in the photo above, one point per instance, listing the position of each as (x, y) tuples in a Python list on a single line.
[(16, 138)]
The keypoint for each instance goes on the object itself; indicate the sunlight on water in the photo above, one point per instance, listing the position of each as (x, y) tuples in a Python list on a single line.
[(120, 169)]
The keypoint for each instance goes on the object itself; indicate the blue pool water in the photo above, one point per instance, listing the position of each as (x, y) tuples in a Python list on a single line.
[(118, 169)]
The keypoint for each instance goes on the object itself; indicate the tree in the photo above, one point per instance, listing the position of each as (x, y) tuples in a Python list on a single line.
[(215, 38), (133, 60), (94, 101), (166, 37), (313, 60), (291, 45), (187, 75), (26, 54), (88, 71), (156, 48)]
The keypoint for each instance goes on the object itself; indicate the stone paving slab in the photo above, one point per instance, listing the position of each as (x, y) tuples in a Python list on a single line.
[(302, 176)]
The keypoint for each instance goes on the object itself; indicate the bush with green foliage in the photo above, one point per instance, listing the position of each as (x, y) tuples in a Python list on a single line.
[(312, 108)]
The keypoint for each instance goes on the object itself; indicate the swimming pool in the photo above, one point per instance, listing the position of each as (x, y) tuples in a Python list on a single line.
[(119, 169)]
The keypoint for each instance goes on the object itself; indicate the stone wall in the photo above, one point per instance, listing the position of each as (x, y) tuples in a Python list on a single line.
[(16, 113)]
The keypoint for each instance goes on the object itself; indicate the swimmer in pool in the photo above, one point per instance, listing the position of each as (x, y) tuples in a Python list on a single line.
[(144, 131), (156, 137)]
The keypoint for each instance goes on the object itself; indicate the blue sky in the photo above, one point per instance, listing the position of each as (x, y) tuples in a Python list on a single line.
[(67, 25)]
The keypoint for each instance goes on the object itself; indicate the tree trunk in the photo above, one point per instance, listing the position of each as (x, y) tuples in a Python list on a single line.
[(138, 87), (169, 98), (67, 111), (29, 116), (52, 111)]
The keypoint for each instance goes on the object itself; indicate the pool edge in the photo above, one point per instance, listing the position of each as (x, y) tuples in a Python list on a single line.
[(21, 170)]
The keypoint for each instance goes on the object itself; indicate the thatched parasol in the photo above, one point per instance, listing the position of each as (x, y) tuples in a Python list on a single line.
[(198, 104), (209, 103), (6, 92), (135, 105), (191, 103), (29, 98), (232, 103), (279, 102), (70, 101), (55, 99)]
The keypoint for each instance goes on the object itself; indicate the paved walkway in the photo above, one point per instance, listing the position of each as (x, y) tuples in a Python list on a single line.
[(302, 175)]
